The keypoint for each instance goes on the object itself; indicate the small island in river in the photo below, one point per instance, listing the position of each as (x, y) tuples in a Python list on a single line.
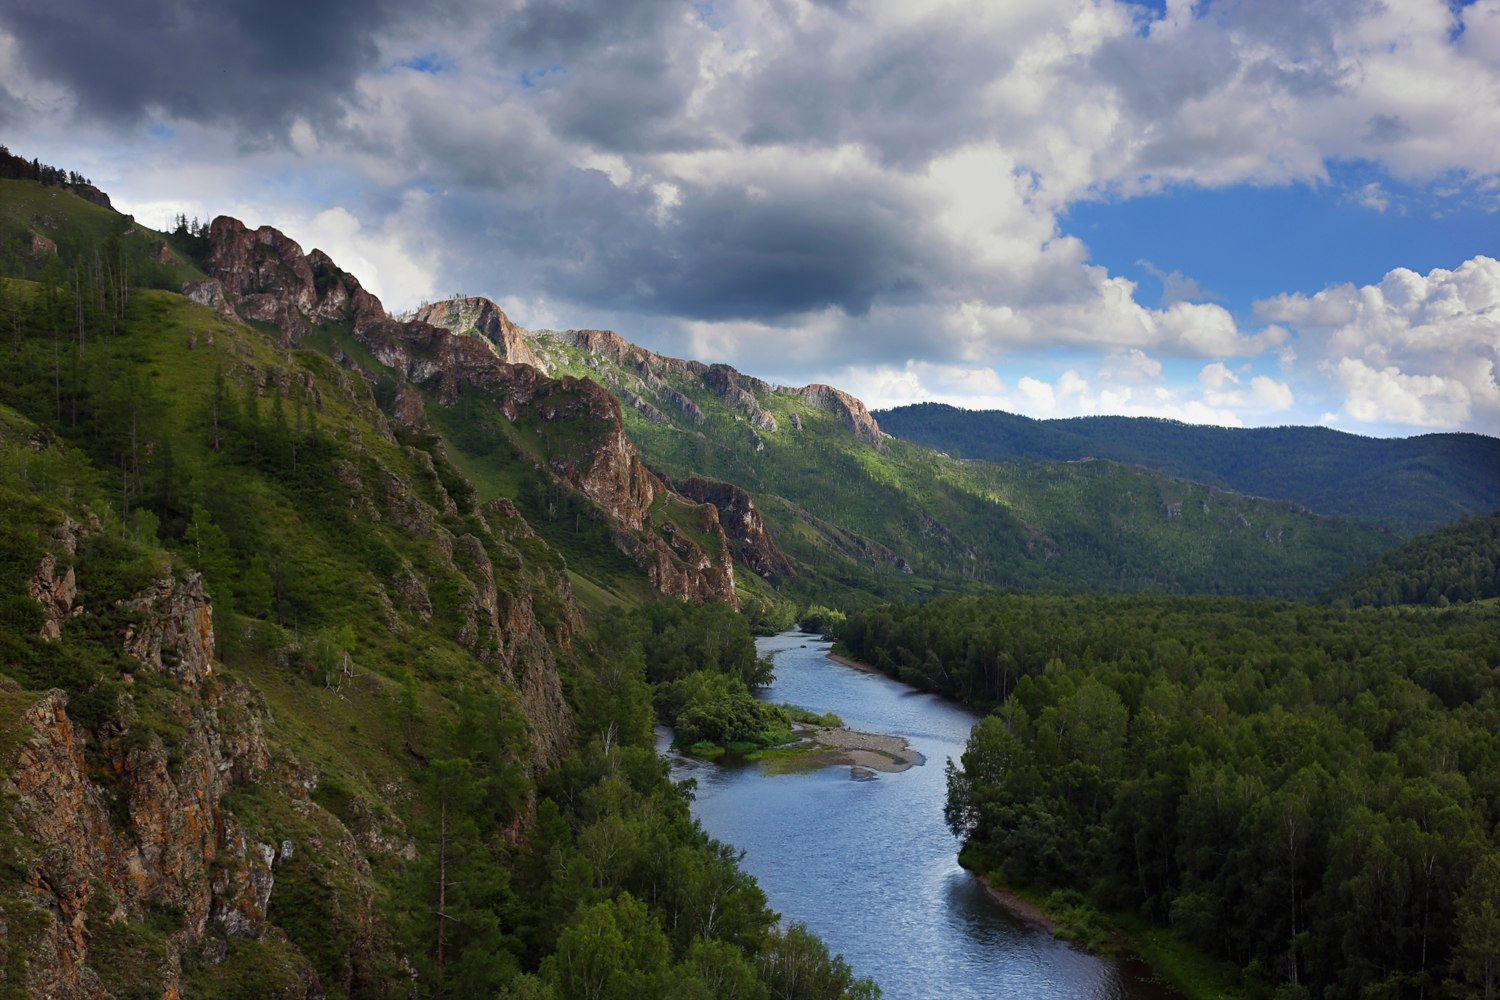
[(828, 746)]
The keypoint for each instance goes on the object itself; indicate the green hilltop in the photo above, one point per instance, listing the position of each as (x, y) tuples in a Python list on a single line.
[(862, 513), (1408, 484)]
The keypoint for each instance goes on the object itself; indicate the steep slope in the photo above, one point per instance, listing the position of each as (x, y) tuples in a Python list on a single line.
[(1409, 484), (569, 430), (290, 705), (862, 514), (1447, 566)]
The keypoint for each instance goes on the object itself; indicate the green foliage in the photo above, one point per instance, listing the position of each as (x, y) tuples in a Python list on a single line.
[(349, 562), (821, 620), (1301, 790), (1449, 565), (1412, 484), (865, 521)]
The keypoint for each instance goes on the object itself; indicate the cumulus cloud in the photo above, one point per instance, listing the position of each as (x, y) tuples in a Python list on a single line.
[(796, 182), (1418, 350), (1069, 393)]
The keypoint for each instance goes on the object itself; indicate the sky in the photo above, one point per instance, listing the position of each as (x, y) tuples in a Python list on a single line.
[(1237, 212)]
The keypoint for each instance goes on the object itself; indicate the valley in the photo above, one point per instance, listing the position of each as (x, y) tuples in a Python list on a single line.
[(333, 647)]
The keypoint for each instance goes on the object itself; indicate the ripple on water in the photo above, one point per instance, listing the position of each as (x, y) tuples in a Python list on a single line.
[(870, 866)]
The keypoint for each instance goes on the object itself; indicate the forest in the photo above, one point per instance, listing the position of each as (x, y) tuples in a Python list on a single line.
[(1408, 485), (1457, 563), (1309, 792), (179, 444)]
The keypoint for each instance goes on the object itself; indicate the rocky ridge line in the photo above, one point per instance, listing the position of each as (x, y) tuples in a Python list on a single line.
[(263, 275)]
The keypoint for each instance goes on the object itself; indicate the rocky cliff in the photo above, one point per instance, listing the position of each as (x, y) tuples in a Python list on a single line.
[(573, 427), (111, 827), (483, 318), (749, 537)]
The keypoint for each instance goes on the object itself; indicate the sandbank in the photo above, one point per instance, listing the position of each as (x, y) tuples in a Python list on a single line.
[(833, 745)]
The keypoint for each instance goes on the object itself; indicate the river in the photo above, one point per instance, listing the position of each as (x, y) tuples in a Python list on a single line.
[(869, 865)]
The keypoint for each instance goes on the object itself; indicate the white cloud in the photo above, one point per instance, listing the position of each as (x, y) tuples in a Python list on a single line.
[(1418, 350), (921, 155), (1389, 396)]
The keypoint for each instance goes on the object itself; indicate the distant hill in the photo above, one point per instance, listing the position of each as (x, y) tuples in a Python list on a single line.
[(1409, 485), (1458, 563), (863, 516)]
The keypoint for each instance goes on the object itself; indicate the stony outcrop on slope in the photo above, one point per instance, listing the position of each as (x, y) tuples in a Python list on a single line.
[(484, 318), (849, 411), (263, 275), (122, 824), (748, 535)]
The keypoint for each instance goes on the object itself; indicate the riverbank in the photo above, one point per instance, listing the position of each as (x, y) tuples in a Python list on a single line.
[(823, 746), (1018, 906), (1123, 937), (846, 661)]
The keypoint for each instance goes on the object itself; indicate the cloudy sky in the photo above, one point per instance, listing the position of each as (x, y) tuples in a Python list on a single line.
[(1242, 212)]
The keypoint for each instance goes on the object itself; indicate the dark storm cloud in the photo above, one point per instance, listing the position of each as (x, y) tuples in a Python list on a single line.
[(908, 97), (254, 63), (614, 75), (722, 254)]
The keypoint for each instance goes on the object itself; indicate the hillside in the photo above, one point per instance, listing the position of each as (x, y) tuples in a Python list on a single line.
[(1408, 484), (296, 697), (861, 514), (1447, 566)]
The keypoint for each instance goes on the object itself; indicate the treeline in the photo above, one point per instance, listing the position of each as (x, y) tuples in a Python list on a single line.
[(1311, 793), (1447, 566), (1410, 484), (13, 167)]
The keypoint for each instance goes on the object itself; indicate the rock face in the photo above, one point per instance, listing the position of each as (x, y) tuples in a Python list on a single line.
[(176, 634), (54, 585), (743, 524), (481, 316), (152, 829), (263, 275), (849, 411)]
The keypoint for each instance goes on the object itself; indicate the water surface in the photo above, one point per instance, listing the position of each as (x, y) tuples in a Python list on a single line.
[(869, 865)]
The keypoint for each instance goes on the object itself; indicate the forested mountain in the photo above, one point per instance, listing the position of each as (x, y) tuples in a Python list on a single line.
[(1450, 565), (1408, 484), (297, 695), (1310, 792), (331, 643), (861, 514)]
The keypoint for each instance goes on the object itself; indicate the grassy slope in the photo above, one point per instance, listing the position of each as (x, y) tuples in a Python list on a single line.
[(1096, 525), (328, 563), (79, 229)]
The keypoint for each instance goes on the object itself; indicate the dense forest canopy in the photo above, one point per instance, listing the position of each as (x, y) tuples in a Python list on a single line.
[(1408, 484), (1311, 792), (1447, 566)]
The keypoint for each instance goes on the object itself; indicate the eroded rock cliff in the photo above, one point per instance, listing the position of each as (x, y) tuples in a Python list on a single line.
[(116, 826), (573, 426)]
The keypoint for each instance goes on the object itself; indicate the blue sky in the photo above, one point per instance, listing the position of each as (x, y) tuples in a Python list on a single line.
[(1242, 212)]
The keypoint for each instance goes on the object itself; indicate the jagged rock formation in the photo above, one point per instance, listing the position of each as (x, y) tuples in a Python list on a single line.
[(742, 521), (263, 275), (850, 411), (121, 823), (54, 585), (484, 318)]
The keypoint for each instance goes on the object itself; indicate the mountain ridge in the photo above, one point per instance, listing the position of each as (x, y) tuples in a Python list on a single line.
[(1410, 484)]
